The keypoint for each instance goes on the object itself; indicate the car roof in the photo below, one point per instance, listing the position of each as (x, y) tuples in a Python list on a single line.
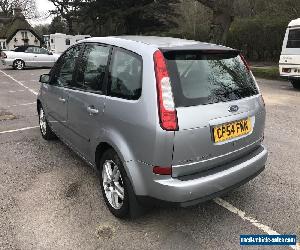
[(164, 43)]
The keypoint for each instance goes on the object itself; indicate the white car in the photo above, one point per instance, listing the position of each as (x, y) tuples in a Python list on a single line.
[(28, 56)]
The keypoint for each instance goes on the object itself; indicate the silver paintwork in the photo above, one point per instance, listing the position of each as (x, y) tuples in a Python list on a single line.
[(84, 120)]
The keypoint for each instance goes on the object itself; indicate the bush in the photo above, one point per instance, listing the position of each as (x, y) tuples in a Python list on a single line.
[(259, 38)]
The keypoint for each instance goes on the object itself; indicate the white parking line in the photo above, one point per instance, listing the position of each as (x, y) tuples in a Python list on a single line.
[(252, 220), (18, 82), (23, 104), (15, 91), (17, 130)]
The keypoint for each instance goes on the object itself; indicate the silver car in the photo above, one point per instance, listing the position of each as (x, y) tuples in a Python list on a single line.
[(28, 56), (163, 121)]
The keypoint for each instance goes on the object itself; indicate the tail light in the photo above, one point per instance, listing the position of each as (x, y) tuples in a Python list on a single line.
[(3, 55), (167, 111), (286, 70), (245, 62)]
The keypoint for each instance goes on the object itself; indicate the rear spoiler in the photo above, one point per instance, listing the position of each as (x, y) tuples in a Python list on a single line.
[(170, 53)]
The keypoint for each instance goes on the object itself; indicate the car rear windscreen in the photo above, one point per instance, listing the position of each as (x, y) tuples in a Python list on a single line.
[(294, 39), (200, 78)]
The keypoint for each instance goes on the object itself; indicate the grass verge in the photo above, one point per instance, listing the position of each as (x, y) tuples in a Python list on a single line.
[(266, 72)]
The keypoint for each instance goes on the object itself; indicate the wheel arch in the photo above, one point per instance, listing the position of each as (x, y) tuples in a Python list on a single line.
[(131, 167)]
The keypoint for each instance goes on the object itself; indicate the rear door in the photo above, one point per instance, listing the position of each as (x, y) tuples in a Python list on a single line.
[(87, 99), (220, 112)]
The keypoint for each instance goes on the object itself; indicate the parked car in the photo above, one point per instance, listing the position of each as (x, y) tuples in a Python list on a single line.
[(165, 121), (289, 64), (28, 56)]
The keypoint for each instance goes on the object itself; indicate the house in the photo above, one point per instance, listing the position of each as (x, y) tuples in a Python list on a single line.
[(16, 31), (58, 42)]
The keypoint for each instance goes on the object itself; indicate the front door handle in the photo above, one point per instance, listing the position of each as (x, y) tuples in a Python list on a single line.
[(62, 100), (92, 111)]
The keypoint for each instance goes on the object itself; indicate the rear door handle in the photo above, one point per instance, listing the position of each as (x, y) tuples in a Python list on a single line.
[(62, 100), (92, 111)]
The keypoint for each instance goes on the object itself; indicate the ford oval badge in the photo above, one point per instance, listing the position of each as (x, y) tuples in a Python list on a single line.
[(233, 108)]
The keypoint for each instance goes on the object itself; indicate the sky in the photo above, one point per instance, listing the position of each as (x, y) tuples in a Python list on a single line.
[(43, 6)]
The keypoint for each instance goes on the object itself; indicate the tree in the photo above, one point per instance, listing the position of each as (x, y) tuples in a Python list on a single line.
[(42, 29), (223, 16), (28, 7), (114, 17), (69, 10), (58, 25)]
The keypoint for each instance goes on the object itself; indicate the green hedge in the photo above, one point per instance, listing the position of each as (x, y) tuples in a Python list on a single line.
[(260, 38)]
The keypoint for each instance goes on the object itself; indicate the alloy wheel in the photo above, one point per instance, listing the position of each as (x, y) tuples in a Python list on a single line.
[(43, 123), (113, 184)]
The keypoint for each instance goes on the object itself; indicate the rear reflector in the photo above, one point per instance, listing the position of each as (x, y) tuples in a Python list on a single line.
[(166, 105), (162, 170)]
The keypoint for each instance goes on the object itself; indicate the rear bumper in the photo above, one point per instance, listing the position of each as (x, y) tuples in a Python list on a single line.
[(290, 77), (7, 62), (190, 190), (293, 75)]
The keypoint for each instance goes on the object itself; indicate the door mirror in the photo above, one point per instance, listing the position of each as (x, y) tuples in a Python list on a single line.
[(45, 78), (50, 53)]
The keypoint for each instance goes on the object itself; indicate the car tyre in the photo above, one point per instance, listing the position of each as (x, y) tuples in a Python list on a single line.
[(116, 188), (296, 84), (45, 129), (19, 64)]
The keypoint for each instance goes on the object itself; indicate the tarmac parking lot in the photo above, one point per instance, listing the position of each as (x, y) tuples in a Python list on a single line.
[(51, 199)]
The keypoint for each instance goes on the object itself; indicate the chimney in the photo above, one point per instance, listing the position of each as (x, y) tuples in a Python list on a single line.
[(17, 11)]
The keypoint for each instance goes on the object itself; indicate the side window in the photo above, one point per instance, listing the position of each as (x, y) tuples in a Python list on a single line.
[(29, 50), (92, 68), (125, 80), (63, 70), (36, 50), (43, 51)]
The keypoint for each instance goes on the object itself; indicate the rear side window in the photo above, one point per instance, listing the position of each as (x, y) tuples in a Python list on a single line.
[(125, 78), (294, 39), (198, 78)]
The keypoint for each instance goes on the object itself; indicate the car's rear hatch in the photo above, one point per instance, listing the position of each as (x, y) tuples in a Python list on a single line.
[(220, 112)]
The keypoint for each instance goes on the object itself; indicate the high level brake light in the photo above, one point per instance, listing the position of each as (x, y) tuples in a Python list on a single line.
[(167, 111)]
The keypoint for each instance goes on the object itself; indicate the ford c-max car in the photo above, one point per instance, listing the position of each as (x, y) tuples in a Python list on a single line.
[(164, 121)]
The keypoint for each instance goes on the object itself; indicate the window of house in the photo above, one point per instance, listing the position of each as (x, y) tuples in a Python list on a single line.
[(68, 42), (24, 35), (125, 79)]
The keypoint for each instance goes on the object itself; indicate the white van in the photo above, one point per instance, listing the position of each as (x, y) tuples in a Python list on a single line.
[(289, 64)]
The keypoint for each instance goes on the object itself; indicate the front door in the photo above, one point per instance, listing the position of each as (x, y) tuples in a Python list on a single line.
[(55, 95), (87, 99)]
